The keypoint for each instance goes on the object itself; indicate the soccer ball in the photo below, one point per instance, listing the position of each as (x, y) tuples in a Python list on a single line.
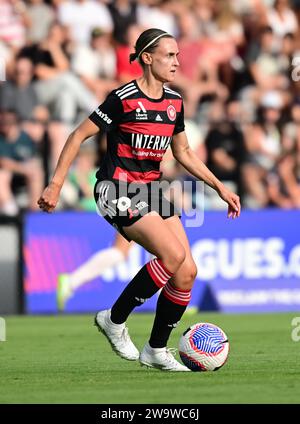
[(204, 347)]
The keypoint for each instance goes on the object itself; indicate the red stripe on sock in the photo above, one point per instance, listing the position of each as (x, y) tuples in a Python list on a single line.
[(179, 296), (156, 280), (159, 274), (169, 274), (174, 300), (183, 294)]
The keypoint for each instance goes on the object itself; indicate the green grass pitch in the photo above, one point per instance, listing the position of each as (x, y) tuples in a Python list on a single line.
[(64, 359)]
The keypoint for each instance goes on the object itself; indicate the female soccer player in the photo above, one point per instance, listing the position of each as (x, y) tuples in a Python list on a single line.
[(142, 118)]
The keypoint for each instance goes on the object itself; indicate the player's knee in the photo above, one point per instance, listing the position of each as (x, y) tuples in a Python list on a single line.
[(178, 256), (186, 276), (193, 271), (174, 259)]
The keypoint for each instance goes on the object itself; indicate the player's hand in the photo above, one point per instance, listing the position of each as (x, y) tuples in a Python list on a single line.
[(49, 198), (233, 201)]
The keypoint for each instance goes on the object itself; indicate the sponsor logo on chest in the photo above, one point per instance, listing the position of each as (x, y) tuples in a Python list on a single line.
[(141, 112), (146, 141)]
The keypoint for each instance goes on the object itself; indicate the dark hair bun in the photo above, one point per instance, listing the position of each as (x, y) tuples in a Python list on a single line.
[(132, 57)]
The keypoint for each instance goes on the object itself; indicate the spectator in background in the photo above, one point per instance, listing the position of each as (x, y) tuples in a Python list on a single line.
[(128, 71), (19, 94), (81, 16), (287, 53), (282, 19), (13, 22), (252, 15), (296, 7), (203, 11), (95, 63), (123, 14), (291, 131), (17, 156), (159, 13), (226, 29), (264, 66), (267, 68), (57, 88), (197, 75), (219, 25), (41, 17), (283, 182), (227, 35), (226, 148), (264, 146), (7, 59)]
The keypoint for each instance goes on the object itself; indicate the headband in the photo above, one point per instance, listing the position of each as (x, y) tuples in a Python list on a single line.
[(151, 42)]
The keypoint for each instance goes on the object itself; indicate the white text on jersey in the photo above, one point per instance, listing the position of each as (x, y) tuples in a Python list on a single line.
[(103, 116), (146, 141)]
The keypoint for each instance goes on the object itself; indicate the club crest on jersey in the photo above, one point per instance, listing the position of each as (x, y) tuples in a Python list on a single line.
[(140, 112), (171, 111)]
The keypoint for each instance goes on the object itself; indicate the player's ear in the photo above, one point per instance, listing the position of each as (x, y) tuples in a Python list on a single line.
[(147, 58)]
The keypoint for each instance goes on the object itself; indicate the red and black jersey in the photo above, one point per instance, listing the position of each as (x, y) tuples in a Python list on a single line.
[(139, 130)]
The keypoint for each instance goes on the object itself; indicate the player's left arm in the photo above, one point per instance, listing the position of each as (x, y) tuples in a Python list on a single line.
[(190, 161)]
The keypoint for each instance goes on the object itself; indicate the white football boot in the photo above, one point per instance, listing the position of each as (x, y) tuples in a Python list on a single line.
[(117, 335), (161, 358)]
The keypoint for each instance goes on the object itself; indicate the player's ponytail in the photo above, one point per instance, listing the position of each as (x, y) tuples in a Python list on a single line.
[(147, 42), (132, 57)]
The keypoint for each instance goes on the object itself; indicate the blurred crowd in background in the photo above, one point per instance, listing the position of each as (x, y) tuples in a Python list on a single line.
[(239, 76)]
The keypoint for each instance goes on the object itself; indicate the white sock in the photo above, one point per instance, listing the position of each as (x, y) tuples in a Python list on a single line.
[(95, 266)]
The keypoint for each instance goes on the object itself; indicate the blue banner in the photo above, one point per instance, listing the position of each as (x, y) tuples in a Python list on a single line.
[(251, 264)]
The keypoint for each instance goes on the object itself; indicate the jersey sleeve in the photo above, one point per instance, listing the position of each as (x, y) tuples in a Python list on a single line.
[(179, 125), (107, 116)]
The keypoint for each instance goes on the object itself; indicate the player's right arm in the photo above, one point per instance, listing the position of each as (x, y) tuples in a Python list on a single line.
[(49, 198)]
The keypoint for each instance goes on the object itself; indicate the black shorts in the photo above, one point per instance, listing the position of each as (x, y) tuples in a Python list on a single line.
[(124, 204)]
